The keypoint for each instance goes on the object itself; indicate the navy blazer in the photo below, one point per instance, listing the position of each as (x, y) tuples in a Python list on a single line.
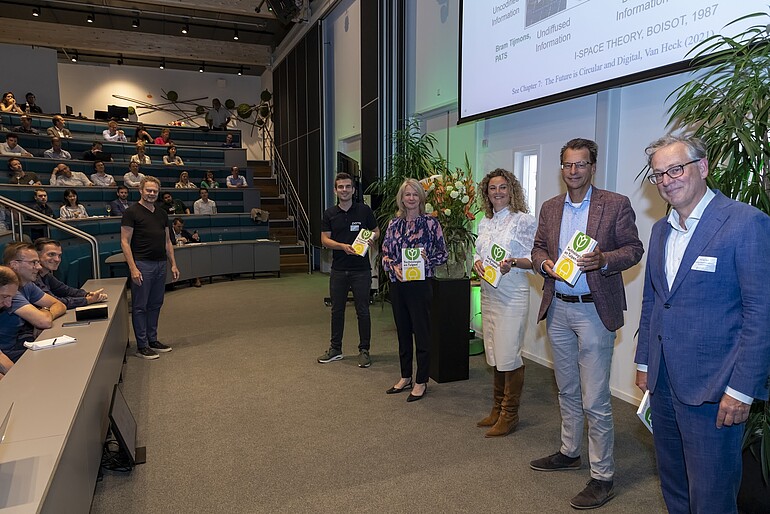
[(714, 326)]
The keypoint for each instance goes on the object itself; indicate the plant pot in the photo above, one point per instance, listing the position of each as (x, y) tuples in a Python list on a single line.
[(449, 329), (754, 494)]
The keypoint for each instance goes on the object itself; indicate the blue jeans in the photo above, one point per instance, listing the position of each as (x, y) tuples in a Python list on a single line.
[(360, 282), (146, 301)]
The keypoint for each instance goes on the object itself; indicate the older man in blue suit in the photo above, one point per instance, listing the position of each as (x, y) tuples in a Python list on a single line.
[(704, 335)]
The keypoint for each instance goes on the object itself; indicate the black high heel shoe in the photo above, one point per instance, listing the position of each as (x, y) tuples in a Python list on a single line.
[(394, 389), (414, 398)]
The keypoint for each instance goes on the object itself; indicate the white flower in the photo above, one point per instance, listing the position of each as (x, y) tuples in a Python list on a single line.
[(447, 212), (466, 199), (454, 194), (428, 208), (459, 185), (449, 187)]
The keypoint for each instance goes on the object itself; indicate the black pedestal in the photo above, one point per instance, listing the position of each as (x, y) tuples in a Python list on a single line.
[(449, 329)]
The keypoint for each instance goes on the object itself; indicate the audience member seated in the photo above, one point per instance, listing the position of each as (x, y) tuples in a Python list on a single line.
[(132, 178), (72, 209), (204, 205), (113, 133), (11, 147), (41, 203), (20, 177), (32, 310), (171, 158), (26, 126), (141, 135), (56, 151), (31, 106), (49, 252), (235, 180), (164, 138), (179, 236), (173, 205), (58, 128), (63, 176), (9, 286), (209, 182), (184, 182), (121, 203), (229, 142), (96, 153), (218, 117), (100, 178), (140, 156), (9, 104)]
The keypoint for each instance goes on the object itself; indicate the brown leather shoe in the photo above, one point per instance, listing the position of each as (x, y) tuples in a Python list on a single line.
[(509, 408), (498, 391)]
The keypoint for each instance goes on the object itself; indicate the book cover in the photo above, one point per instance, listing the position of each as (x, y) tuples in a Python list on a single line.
[(412, 264), (361, 244), (644, 412), (491, 263), (566, 267)]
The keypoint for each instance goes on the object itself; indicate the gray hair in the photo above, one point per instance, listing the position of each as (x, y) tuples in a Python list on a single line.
[(696, 147)]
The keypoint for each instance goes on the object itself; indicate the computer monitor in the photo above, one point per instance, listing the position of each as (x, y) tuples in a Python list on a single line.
[(117, 112), (68, 110), (124, 428), (101, 115)]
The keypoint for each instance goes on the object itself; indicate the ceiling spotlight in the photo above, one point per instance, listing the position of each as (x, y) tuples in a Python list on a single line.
[(35, 12), (235, 35), (202, 68), (90, 18), (240, 71), (162, 64), (135, 23), (185, 28), (74, 57)]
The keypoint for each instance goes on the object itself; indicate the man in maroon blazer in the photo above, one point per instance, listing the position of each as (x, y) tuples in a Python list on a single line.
[(581, 320)]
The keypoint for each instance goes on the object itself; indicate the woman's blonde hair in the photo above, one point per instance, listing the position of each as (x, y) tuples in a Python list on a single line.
[(414, 184), (517, 204)]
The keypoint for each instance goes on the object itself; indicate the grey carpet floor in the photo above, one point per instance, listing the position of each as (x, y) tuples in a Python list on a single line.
[(240, 418)]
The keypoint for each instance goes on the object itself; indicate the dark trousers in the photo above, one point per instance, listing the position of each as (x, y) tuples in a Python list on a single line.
[(699, 464), (146, 301), (360, 282), (411, 303)]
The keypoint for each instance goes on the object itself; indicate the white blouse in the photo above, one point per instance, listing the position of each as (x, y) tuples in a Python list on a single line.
[(515, 231)]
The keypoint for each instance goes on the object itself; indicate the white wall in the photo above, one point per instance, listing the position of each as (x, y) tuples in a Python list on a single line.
[(622, 121), (89, 87), (31, 69)]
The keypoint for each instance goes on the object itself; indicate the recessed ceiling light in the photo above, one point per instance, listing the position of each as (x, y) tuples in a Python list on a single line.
[(35, 12), (185, 28), (240, 71), (74, 57), (90, 18), (162, 64), (235, 35), (202, 68), (135, 23)]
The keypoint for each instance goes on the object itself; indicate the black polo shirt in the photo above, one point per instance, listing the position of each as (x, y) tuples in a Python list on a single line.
[(344, 227)]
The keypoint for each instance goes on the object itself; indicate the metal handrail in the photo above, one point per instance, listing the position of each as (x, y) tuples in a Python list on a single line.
[(17, 224)]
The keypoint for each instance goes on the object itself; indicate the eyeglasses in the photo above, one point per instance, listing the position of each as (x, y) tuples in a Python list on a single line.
[(672, 172), (580, 165), (36, 262)]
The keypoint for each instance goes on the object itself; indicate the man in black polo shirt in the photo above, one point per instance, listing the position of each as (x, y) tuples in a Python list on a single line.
[(146, 244), (350, 271)]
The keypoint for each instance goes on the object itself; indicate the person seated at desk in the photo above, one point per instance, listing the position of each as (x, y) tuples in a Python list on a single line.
[(31, 106), (56, 151), (229, 142), (100, 177), (121, 203), (180, 236), (9, 286), (32, 310), (26, 126), (114, 134), (96, 153), (164, 138), (141, 135), (173, 205), (133, 178), (49, 252), (171, 158), (140, 157), (204, 205), (235, 180), (20, 177), (63, 176), (209, 182), (12, 148), (41, 203), (72, 209), (9, 104), (184, 182), (58, 129)]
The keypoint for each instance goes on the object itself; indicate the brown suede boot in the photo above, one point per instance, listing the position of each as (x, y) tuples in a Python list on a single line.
[(509, 408), (498, 391)]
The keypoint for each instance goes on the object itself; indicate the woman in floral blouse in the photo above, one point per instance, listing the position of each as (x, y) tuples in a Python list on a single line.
[(505, 308), (411, 299)]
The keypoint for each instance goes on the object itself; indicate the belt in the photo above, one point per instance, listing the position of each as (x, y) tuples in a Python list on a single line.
[(586, 298)]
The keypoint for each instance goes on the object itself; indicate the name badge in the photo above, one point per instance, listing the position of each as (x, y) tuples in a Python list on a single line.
[(703, 263), (355, 227)]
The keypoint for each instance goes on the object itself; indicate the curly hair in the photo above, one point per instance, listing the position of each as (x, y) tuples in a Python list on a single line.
[(517, 204)]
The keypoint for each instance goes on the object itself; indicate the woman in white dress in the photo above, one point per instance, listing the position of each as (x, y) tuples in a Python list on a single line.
[(505, 308)]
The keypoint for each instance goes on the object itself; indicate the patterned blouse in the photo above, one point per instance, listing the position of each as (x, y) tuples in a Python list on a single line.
[(422, 232)]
